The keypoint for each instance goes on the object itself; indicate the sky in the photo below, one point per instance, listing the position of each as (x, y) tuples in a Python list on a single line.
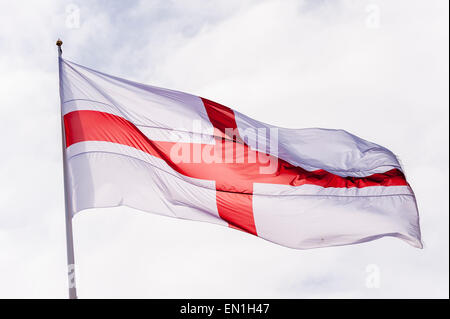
[(378, 69)]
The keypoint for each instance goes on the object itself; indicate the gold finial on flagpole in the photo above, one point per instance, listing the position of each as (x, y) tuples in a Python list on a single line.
[(59, 44)]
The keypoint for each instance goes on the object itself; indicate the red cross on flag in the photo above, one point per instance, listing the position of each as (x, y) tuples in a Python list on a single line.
[(180, 155)]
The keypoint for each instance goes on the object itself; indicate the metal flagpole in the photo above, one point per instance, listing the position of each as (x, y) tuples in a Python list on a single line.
[(69, 234)]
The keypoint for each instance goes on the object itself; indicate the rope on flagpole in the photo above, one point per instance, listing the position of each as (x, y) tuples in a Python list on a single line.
[(68, 206)]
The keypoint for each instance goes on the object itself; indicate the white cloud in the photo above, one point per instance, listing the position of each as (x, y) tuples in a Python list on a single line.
[(290, 63)]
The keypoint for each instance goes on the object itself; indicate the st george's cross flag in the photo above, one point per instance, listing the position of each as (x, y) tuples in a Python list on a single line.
[(180, 155)]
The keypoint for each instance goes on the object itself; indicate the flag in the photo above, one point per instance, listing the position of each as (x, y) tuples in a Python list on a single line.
[(180, 155)]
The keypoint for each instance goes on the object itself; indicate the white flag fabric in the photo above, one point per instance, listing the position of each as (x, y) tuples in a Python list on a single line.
[(180, 155)]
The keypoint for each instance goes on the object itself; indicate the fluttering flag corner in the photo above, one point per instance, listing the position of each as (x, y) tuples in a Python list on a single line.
[(180, 155)]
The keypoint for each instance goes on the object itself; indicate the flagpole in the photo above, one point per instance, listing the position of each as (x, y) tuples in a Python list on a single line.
[(68, 207)]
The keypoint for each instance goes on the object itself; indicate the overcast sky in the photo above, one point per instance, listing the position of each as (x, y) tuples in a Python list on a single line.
[(378, 69)]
